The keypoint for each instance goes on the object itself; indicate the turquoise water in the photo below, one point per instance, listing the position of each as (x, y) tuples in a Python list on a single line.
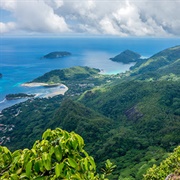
[(20, 58)]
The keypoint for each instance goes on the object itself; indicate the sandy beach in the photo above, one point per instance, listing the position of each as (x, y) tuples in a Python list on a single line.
[(34, 84), (48, 91)]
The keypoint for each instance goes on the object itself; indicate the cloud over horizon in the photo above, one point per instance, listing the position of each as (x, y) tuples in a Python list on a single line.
[(94, 17)]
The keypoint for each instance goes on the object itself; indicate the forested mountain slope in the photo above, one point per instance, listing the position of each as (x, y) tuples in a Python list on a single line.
[(132, 118), (164, 63)]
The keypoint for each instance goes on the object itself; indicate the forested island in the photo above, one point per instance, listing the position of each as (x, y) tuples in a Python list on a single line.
[(131, 118), (126, 57), (57, 54)]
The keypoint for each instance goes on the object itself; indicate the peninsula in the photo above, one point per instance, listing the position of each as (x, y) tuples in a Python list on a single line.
[(18, 96)]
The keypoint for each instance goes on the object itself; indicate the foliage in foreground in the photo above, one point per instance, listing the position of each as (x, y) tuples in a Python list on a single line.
[(170, 167), (59, 155)]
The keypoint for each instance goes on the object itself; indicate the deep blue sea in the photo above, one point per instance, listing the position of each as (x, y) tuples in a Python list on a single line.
[(20, 58)]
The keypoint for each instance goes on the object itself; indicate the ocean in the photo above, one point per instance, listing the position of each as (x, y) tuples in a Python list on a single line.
[(21, 58)]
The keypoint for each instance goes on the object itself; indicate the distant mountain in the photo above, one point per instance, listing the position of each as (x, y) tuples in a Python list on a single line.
[(126, 57), (57, 54)]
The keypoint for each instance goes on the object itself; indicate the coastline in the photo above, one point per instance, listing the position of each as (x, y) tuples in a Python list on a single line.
[(54, 89), (34, 84), (48, 91)]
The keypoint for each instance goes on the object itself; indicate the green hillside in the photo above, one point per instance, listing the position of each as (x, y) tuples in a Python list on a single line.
[(131, 118), (163, 63), (60, 75)]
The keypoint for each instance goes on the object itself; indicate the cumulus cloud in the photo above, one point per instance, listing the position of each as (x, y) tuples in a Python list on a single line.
[(36, 15), (123, 17), (7, 27), (39, 16)]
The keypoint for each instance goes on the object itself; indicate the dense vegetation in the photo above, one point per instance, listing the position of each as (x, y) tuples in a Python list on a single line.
[(60, 75), (18, 96), (126, 57), (169, 169), (57, 54), (59, 155), (131, 118)]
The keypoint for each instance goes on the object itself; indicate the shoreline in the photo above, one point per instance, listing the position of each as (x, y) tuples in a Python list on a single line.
[(48, 91), (54, 89), (35, 84)]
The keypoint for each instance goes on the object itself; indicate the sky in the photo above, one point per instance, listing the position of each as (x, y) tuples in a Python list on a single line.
[(122, 18)]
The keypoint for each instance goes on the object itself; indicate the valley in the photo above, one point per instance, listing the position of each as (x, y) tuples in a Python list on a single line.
[(131, 118)]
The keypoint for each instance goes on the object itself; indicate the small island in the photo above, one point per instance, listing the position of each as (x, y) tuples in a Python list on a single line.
[(1, 75), (57, 54), (18, 96), (126, 57)]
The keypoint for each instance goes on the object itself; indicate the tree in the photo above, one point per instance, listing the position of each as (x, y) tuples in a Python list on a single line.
[(59, 155), (169, 169)]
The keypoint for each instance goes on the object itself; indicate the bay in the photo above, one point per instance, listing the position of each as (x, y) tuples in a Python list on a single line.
[(21, 58)]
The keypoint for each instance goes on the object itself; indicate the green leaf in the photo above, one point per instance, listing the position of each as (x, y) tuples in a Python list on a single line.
[(72, 162), (45, 156), (40, 178), (26, 157), (74, 144), (37, 166), (58, 153), (28, 168), (6, 150), (92, 162), (51, 151), (46, 161), (86, 164), (58, 169), (76, 176), (80, 141), (16, 153), (23, 176), (14, 177), (41, 165), (19, 171), (46, 133)]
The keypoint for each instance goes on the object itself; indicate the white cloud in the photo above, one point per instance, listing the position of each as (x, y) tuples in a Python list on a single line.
[(123, 17), (38, 16), (108, 27), (7, 27), (55, 4), (8, 5)]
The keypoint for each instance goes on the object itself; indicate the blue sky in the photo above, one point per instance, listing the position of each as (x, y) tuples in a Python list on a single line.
[(122, 18)]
